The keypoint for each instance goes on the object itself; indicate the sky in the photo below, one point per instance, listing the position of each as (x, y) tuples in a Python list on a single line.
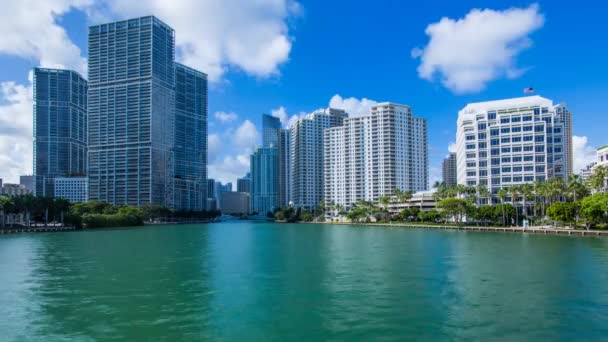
[(289, 58)]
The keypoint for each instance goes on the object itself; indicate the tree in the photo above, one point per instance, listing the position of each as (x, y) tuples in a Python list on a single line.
[(403, 196), (594, 209), (62, 205), (527, 192), (502, 194), (514, 191), (597, 181), (482, 192), (454, 208), (565, 212), (486, 213)]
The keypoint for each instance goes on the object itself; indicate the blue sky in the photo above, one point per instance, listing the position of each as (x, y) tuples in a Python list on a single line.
[(289, 58)]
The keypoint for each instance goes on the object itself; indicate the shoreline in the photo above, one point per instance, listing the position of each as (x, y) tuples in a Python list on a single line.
[(520, 230)]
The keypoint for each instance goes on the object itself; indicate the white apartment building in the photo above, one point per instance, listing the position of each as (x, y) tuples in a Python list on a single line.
[(372, 156), (74, 189), (513, 141), (307, 155)]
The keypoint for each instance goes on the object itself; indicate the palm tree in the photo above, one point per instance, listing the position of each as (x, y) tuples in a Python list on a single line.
[(62, 205), (483, 192), (540, 190), (502, 194), (527, 192), (597, 181), (514, 191), (6, 204)]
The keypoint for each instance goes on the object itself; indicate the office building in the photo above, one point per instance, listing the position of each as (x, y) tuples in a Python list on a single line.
[(190, 148), (27, 182), (513, 141), (270, 126), (60, 127), (264, 187), (131, 112), (210, 188), (587, 171), (244, 184), (74, 189), (374, 155), (235, 203), (307, 155), (11, 190), (219, 189), (449, 170), (284, 167)]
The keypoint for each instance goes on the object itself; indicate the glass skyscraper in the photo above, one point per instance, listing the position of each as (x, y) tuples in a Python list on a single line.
[(264, 185), (131, 112), (190, 150), (60, 127), (270, 126)]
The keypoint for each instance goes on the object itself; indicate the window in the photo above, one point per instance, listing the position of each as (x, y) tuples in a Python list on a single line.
[(517, 159), (495, 161), (505, 140), (494, 132), (483, 163), (495, 142), (506, 169), (491, 115), (505, 130), (496, 180), (470, 146), (540, 169), (504, 120), (471, 173), (506, 159), (528, 138), (516, 148), (471, 182), (481, 136), (506, 179), (495, 152), (470, 137), (539, 138), (527, 118), (539, 148), (483, 154), (527, 128), (482, 144), (528, 158), (516, 139), (482, 126), (516, 129), (516, 119), (516, 179), (470, 155), (528, 148), (539, 128), (540, 178), (528, 168), (540, 159), (557, 130), (505, 150), (529, 178), (495, 171), (471, 164), (517, 168), (483, 173), (557, 140)]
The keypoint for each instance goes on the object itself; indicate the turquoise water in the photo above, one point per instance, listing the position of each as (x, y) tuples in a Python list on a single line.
[(247, 281)]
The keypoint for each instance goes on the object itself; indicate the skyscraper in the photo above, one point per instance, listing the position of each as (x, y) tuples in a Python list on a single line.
[(190, 150), (449, 170), (307, 155), (131, 112), (264, 191), (284, 166), (513, 141), (270, 126), (60, 127), (244, 184), (374, 155)]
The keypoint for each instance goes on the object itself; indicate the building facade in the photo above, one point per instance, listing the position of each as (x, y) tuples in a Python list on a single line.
[(307, 133), (270, 126), (131, 112), (190, 147), (374, 155), (284, 167), (513, 141), (235, 203), (60, 127), (448, 170), (244, 184), (27, 182), (74, 189), (264, 185), (8, 189)]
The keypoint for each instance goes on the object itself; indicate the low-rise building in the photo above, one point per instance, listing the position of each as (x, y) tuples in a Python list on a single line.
[(9, 189), (423, 200), (74, 189), (235, 203)]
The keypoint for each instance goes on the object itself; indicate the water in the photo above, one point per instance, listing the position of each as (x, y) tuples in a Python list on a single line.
[(258, 282)]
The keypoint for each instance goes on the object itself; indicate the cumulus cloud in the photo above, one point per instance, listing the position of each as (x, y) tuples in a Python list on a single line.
[(229, 168), (353, 106), (583, 153), (246, 136), (225, 117), (468, 53), (281, 113), (452, 147), (214, 36), (30, 30), (15, 131)]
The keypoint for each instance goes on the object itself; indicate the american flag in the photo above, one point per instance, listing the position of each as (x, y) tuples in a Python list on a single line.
[(528, 90)]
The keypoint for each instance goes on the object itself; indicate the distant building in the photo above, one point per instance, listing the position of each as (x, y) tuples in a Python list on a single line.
[(235, 203), (587, 171), (211, 204), (60, 127), (244, 184), (284, 167), (210, 188), (602, 156), (513, 141), (219, 189), (423, 200), (11, 190), (264, 191), (27, 182), (374, 155), (449, 170), (307, 155), (74, 189), (270, 126)]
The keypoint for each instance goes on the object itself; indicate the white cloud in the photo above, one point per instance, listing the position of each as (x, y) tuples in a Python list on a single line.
[(29, 30), (583, 154), (435, 175), (229, 168), (353, 106), (15, 131), (281, 113), (213, 146), (452, 147), (225, 117), (214, 36), (468, 53), (246, 136)]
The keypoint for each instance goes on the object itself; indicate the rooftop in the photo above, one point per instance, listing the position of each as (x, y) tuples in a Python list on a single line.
[(517, 102)]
